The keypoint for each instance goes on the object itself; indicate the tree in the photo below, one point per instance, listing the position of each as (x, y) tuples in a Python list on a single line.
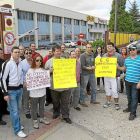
[(124, 22), (135, 16)]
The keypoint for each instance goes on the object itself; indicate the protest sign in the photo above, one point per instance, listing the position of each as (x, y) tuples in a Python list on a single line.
[(37, 80), (105, 67), (64, 74)]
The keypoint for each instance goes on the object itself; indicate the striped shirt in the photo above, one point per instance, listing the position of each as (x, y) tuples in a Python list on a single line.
[(132, 69)]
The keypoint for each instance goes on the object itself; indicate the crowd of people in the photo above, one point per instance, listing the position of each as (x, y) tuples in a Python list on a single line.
[(13, 89)]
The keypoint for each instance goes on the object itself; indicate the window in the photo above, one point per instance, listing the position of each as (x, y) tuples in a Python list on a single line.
[(43, 37), (25, 15), (56, 19), (83, 23), (103, 25), (67, 37), (100, 25), (95, 24), (47, 37), (67, 20), (27, 38), (42, 17), (76, 22), (84, 36), (76, 36), (57, 37)]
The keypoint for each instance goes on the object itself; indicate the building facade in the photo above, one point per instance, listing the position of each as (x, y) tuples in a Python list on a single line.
[(50, 20)]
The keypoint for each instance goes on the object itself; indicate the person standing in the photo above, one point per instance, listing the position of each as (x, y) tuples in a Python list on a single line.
[(87, 75), (75, 92), (21, 49), (3, 103), (37, 95), (78, 53), (63, 53), (60, 97), (98, 54), (111, 83), (132, 80), (47, 57), (131, 38), (12, 84), (32, 47), (26, 64)]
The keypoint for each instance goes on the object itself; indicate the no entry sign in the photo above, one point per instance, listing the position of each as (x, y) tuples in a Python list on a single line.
[(81, 35), (9, 39)]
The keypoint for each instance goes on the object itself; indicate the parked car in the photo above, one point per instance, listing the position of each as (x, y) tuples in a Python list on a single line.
[(70, 44), (51, 45), (83, 42)]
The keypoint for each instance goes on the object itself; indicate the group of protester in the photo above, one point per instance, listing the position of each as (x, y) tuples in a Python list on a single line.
[(24, 60)]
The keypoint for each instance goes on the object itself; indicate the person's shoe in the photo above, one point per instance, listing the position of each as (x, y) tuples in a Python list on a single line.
[(126, 110), (78, 108), (95, 102), (106, 105), (89, 93), (47, 103), (22, 127), (55, 116), (21, 134), (67, 120), (132, 117), (6, 112), (28, 116), (117, 106), (43, 120), (35, 124), (37, 115), (84, 105), (2, 122), (120, 91)]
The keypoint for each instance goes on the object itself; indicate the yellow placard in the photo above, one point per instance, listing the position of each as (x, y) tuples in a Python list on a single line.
[(64, 74), (90, 18), (105, 67)]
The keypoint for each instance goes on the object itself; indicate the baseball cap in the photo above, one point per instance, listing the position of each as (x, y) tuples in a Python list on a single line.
[(132, 46)]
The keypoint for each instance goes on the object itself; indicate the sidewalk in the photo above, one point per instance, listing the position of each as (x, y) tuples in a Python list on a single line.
[(92, 123)]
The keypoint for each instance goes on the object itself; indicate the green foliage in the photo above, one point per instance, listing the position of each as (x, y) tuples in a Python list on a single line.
[(97, 43), (124, 22), (134, 13)]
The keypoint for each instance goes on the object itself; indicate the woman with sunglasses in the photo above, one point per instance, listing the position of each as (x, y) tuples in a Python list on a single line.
[(38, 95)]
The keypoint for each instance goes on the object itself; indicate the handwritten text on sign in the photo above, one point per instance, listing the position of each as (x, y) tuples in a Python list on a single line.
[(64, 74), (105, 67), (37, 80)]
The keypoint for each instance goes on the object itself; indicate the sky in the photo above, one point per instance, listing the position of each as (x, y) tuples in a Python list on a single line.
[(98, 8)]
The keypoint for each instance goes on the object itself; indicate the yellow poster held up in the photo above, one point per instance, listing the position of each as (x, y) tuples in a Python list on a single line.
[(105, 67), (64, 74)]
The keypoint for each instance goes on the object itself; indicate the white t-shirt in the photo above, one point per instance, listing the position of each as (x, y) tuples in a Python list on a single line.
[(98, 56), (38, 92)]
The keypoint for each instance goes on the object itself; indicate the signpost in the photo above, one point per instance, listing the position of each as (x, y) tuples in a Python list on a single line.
[(81, 35), (8, 23)]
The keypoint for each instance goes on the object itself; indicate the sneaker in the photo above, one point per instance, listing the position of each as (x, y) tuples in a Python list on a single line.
[(37, 115), (43, 120), (117, 106), (106, 105), (77, 108), (21, 134), (2, 122), (132, 117), (47, 103), (126, 110), (35, 124), (67, 120), (84, 105), (28, 116), (22, 127)]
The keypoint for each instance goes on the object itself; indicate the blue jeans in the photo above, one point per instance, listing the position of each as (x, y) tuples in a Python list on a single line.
[(14, 107), (84, 82), (132, 96)]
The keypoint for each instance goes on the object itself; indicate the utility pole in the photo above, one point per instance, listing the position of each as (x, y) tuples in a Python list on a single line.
[(115, 27)]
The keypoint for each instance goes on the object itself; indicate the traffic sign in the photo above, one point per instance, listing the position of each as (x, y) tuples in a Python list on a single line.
[(5, 10), (81, 35), (9, 39), (8, 23)]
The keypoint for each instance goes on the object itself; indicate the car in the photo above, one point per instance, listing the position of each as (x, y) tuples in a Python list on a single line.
[(51, 45), (137, 43), (70, 44), (83, 42)]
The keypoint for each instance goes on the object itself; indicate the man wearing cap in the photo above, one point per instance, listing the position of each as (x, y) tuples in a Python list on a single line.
[(111, 83), (132, 80)]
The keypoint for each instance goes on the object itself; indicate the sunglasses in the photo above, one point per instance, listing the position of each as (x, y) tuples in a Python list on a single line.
[(28, 53), (39, 60), (132, 49)]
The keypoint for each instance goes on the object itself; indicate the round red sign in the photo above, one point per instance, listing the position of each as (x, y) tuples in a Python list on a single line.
[(81, 35), (9, 39)]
